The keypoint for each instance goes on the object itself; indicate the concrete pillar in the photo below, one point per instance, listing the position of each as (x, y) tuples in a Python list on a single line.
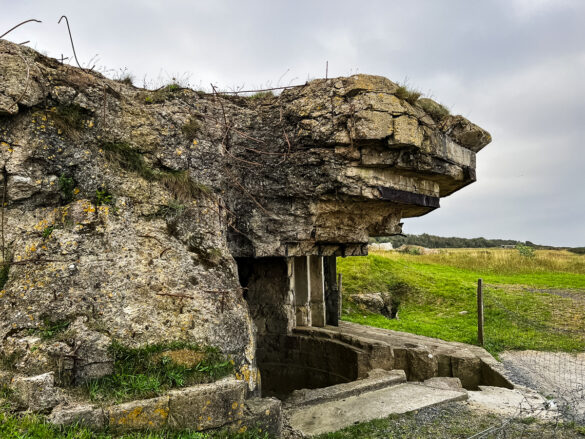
[(302, 290), (332, 299), (317, 290)]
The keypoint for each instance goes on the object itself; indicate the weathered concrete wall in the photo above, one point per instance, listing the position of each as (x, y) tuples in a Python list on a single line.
[(124, 208)]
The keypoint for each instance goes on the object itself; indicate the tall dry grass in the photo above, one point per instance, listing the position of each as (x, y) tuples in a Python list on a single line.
[(499, 261)]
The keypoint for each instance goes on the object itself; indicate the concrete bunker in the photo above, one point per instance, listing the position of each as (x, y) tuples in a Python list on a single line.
[(283, 185), (301, 343)]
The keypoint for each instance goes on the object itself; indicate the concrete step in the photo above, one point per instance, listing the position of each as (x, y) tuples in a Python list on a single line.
[(377, 379), (334, 415)]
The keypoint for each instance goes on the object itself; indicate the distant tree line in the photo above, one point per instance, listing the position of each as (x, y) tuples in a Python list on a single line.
[(432, 241)]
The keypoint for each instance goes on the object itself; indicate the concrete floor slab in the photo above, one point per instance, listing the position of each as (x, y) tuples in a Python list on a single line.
[(335, 415), (518, 403)]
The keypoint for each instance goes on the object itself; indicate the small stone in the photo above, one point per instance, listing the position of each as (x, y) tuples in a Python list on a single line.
[(207, 405), (86, 415), (407, 131), (37, 393)]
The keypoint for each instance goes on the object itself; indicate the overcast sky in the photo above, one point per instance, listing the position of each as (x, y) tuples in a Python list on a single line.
[(514, 67)]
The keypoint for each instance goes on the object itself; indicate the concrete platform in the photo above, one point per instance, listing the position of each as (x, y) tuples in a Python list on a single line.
[(420, 357), (377, 379), (335, 415), (520, 402)]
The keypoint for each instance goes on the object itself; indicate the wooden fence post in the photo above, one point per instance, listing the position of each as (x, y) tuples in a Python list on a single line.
[(480, 312), (339, 287)]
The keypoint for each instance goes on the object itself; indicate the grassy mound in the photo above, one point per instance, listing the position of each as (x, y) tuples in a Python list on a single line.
[(530, 303)]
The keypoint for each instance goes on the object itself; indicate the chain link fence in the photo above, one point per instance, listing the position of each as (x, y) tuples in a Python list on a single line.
[(551, 383)]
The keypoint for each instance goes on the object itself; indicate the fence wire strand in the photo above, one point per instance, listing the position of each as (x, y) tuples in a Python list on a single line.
[(557, 377)]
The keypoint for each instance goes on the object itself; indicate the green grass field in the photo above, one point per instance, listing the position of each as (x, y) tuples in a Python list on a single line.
[(530, 302)]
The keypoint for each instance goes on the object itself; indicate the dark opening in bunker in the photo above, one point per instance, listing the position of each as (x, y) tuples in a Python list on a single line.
[(286, 293), (295, 305)]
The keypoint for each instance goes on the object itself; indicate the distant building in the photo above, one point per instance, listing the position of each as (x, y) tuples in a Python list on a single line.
[(384, 246)]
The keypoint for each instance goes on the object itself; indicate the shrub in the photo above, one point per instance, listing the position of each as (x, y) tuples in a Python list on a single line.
[(577, 250), (103, 196), (525, 250)]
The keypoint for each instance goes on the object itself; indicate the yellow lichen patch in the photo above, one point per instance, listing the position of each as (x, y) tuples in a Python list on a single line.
[(104, 210), (88, 207), (149, 414), (41, 225), (162, 412), (245, 374), (234, 405)]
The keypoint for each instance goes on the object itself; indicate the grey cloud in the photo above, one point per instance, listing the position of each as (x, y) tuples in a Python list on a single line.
[(515, 67)]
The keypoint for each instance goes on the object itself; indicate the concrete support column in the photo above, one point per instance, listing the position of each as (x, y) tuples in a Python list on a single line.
[(332, 299), (317, 290), (302, 288)]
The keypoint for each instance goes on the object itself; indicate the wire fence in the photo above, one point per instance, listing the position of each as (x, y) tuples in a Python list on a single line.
[(551, 382)]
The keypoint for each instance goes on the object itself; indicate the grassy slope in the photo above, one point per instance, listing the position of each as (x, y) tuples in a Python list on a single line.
[(521, 311)]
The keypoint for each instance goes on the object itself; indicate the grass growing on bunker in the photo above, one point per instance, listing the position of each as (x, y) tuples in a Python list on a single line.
[(261, 95), (183, 187), (407, 94), (151, 370), (530, 303), (50, 330), (70, 118)]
